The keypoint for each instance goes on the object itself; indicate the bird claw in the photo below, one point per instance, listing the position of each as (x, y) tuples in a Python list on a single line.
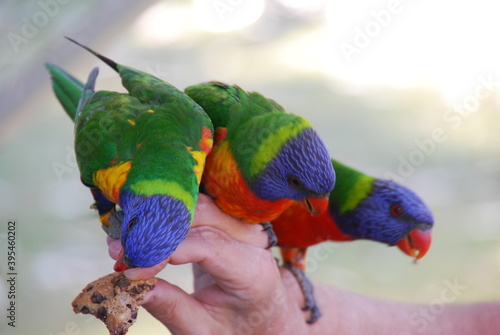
[(308, 290), (271, 236), (114, 227), (315, 313)]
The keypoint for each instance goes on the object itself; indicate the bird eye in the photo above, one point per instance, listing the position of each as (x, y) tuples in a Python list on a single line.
[(294, 181), (131, 223), (396, 210)]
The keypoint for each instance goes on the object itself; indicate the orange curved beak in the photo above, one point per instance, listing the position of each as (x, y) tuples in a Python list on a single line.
[(120, 264), (315, 206), (416, 244)]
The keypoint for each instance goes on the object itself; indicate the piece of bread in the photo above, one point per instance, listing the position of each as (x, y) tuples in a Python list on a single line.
[(114, 300)]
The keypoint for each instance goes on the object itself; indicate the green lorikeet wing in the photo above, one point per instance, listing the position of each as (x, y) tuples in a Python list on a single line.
[(144, 151), (264, 159)]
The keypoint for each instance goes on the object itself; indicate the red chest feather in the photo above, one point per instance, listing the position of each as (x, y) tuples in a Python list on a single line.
[(297, 228), (224, 182)]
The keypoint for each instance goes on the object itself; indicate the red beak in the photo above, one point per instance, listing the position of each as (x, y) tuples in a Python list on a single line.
[(315, 206), (416, 244), (120, 264)]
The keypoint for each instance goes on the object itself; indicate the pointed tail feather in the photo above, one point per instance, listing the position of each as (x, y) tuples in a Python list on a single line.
[(106, 60), (67, 89), (88, 91)]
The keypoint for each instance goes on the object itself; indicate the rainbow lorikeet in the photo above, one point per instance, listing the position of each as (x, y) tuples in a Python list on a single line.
[(144, 151), (67, 88), (360, 207), (263, 159)]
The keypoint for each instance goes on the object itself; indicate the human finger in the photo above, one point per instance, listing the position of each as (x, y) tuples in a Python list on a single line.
[(201, 278), (208, 214), (114, 247), (177, 310), (145, 273), (232, 264)]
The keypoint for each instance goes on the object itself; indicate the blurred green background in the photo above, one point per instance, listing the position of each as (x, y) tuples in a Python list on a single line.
[(408, 90)]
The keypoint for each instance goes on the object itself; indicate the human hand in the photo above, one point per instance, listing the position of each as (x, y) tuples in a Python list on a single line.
[(239, 289)]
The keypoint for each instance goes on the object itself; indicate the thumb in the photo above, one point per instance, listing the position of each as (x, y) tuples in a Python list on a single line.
[(176, 309)]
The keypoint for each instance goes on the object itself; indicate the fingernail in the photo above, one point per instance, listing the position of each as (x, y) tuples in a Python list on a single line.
[(134, 274), (115, 247)]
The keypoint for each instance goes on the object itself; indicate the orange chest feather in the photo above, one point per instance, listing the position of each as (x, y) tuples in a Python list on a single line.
[(111, 180), (296, 227), (224, 182)]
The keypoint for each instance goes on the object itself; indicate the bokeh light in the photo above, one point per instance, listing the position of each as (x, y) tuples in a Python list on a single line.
[(227, 15)]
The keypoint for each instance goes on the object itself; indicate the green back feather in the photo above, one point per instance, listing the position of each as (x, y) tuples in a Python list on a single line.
[(268, 134), (351, 187), (103, 133), (152, 126), (217, 99), (150, 89), (257, 127)]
